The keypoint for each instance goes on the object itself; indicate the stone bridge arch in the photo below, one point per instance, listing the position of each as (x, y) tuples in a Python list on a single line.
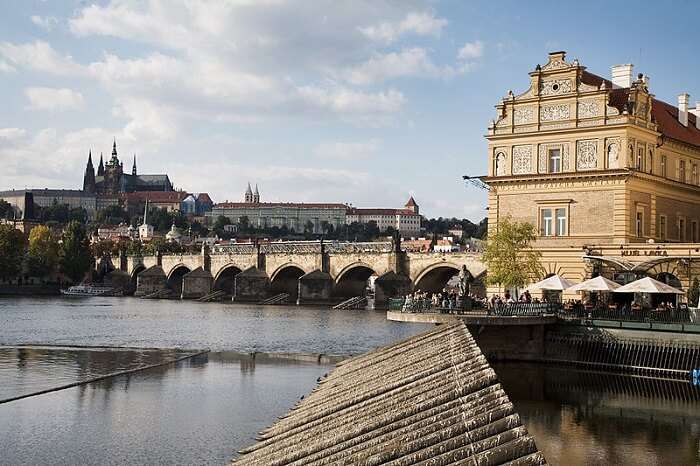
[(175, 276), (137, 269), (352, 279), (285, 279), (225, 278)]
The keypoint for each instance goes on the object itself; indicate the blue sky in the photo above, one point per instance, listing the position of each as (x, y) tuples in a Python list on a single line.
[(364, 102)]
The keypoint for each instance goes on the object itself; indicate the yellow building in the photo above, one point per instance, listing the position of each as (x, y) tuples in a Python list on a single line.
[(607, 172)]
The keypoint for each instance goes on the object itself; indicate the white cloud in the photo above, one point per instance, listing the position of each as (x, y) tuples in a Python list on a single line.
[(39, 56), (6, 67), (347, 150), (413, 62), (422, 24), (471, 50), (47, 23), (48, 98), (11, 134)]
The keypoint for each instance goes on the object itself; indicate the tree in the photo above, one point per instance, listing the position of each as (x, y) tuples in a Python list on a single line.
[(12, 245), (510, 260), (694, 293), (42, 256), (113, 214), (75, 255)]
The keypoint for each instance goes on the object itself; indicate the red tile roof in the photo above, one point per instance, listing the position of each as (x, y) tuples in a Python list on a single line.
[(204, 197), (411, 202), (358, 211), (300, 205), (666, 116), (663, 114), (155, 196)]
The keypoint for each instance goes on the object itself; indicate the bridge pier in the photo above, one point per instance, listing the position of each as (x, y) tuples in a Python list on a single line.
[(196, 284), (251, 285), (391, 285), (315, 287), (150, 281)]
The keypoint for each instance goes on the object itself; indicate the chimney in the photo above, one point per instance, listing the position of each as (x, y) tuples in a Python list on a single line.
[(696, 112), (683, 108), (622, 75)]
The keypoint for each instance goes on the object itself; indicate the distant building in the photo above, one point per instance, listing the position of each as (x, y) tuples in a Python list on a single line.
[(299, 217), (197, 204), (145, 230), (406, 220), (457, 232), (110, 180), (446, 244), (171, 201), (24, 200)]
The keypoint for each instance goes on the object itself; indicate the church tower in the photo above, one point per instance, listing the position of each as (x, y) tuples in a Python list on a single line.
[(89, 177), (133, 169), (256, 195), (101, 167), (248, 198), (113, 173)]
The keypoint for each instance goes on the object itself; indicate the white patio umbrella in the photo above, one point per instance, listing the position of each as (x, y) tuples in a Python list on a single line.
[(598, 283), (648, 285), (554, 283)]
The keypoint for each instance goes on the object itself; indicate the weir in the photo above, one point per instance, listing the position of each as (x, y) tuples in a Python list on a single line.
[(431, 398)]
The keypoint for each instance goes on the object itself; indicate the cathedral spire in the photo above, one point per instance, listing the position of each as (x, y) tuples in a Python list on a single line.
[(256, 195), (249, 194), (89, 177), (101, 167), (115, 159), (133, 169)]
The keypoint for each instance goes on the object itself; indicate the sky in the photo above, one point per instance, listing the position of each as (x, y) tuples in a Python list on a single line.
[(364, 102)]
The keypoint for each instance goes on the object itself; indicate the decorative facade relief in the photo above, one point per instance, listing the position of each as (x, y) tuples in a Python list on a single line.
[(500, 164), (554, 112), (583, 87), (588, 109), (523, 115), (612, 149), (529, 93), (612, 111), (566, 163), (522, 159), (587, 154), (555, 64), (556, 87)]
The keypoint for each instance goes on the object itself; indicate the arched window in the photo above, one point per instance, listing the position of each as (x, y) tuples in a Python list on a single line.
[(650, 162), (613, 155)]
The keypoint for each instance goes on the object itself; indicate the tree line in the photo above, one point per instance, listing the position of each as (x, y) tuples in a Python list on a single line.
[(45, 253)]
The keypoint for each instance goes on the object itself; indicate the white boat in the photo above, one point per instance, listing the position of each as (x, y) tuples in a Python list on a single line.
[(88, 290)]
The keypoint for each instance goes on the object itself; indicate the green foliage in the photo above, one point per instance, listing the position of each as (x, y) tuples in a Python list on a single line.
[(113, 215), (694, 293), (12, 245), (441, 226), (162, 220), (75, 255), (42, 256), (510, 260), (60, 214)]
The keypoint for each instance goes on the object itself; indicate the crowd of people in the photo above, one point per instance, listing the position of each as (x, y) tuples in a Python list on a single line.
[(445, 300)]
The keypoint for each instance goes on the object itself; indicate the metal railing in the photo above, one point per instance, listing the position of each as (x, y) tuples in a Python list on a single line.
[(680, 315)]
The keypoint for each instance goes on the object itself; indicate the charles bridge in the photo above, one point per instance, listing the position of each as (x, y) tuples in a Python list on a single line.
[(308, 271)]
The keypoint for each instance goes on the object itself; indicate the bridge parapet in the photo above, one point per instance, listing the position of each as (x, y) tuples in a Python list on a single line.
[(354, 248), (231, 249)]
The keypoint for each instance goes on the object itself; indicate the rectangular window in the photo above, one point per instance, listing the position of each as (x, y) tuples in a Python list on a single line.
[(695, 173), (561, 222), (663, 166), (681, 171), (554, 160), (546, 226), (694, 231), (640, 159), (662, 227), (681, 229), (650, 163), (640, 224)]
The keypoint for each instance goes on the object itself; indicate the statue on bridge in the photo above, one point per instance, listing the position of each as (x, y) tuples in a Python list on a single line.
[(464, 279)]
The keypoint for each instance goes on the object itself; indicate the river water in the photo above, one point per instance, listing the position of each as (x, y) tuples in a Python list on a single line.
[(203, 409)]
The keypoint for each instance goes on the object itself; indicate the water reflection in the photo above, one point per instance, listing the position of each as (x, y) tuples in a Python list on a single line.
[(27, 370), (581, 417), (197, 411)]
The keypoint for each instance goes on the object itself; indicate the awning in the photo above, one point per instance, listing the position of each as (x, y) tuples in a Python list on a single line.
[(648, 285), (598, 283), (553, 283)]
